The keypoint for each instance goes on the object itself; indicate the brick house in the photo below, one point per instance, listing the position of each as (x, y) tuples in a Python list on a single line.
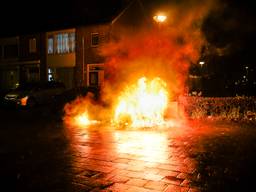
[(22, 59), (9, 65), (84, 63), (69, 55)]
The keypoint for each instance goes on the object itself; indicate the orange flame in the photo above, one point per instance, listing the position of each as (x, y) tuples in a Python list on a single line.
[(77, 113), (82, 119), (142, 104)]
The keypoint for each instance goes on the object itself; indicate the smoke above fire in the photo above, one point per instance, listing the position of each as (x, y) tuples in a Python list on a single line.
[(162, 50), (165, 49)]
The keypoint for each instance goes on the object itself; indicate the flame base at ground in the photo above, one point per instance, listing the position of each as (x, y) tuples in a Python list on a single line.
[(142, 104)]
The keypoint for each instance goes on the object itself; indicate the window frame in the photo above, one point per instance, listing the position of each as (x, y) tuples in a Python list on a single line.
[(93, 35)]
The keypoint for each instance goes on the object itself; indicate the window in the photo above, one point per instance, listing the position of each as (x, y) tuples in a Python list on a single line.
[(65, 44), (95, 39), (32, 45), (10, 51), (59, 43), (72, 42), (93, 78), (50, 74), (50, 45)]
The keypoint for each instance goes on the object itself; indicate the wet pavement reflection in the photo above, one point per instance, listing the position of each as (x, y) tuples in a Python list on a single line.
[(197, 156), (134, 160), (39, 153)]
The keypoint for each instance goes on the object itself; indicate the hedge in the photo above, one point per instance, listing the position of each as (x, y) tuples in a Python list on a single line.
[(229, 108)]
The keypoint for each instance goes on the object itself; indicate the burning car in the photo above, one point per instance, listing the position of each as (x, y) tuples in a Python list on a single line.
[(31, 94)]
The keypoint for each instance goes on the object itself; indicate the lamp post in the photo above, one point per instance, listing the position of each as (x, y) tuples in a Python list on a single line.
[(159, 19), (201, 63)]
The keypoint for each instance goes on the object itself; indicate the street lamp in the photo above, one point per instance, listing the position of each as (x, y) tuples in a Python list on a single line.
[(201, 63), (160, 18)]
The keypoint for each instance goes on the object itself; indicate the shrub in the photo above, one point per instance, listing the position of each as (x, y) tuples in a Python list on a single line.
[(228, 108)]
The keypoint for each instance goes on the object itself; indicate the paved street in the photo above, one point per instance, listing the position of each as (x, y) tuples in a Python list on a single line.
[(39, 153)]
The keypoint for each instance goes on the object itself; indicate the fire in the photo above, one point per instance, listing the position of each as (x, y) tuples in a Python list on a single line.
[(142, 104), (77, 112), (82, 119)]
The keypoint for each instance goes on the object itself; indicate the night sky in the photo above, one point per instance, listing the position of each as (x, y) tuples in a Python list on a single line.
[(221, 27), (24, 16), (231, 29), (231, 23)]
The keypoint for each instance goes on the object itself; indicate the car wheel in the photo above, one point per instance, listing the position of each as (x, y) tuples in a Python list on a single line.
[(31, 103)]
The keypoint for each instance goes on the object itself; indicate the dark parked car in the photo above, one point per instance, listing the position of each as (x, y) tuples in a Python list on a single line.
[(34, 93)]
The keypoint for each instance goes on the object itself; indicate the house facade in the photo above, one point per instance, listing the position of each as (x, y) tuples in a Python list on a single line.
[(61, 56), (32, 57), (68, 55), (22, 59), (9, 62), (90, 65)]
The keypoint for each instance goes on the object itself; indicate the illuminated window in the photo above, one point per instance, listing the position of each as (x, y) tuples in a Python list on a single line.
[(95, 39), (50, 74), (50, 45), (65, 45), (32, 45), (59, 43), (71, 42)]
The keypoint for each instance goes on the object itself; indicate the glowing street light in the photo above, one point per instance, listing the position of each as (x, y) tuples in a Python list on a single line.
[(201, 63), (160, 18)]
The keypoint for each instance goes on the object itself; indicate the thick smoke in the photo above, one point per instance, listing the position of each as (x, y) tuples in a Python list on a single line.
[(165, 50)]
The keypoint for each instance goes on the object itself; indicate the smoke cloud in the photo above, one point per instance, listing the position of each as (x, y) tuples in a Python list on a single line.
[(165, 50)]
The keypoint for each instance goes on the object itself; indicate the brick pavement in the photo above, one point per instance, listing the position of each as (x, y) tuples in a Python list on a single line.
[(42, 154), (133, 160)]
